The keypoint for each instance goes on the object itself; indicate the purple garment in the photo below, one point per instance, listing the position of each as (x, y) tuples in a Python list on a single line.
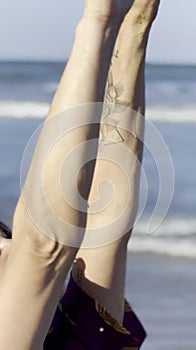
[(80, 324)]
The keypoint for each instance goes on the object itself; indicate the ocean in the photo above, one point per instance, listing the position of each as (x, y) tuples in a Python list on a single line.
[(26, 90), (162, 252)]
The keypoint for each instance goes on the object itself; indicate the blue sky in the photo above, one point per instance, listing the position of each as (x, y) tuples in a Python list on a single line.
[(44, 29)]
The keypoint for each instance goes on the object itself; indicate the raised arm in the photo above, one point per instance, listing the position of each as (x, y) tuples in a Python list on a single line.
[(100, 271), (33, 274)]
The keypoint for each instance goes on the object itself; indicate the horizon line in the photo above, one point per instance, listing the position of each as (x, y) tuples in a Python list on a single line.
[(61, 61)]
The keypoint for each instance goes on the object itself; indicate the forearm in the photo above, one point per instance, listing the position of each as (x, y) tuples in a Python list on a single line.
[(82, 82), (127, 71), (86, 73), (128, 62)]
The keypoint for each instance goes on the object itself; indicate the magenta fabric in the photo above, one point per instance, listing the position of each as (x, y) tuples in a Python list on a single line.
[(78, 326)]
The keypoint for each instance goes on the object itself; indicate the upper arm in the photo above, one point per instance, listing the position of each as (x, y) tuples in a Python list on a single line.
[(30, 286)]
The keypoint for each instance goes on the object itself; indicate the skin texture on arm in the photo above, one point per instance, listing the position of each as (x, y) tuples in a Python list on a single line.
[(101, 271), (33, 271)]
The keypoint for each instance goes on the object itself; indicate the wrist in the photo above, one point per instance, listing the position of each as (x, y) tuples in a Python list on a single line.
[(98, 33), (104, 23)]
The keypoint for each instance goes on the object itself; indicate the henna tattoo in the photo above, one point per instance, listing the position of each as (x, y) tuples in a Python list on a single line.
[(112, 105), (113, 92), (141, 18)]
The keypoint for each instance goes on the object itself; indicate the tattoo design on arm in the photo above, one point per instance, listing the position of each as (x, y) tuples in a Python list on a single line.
[(113, 107)]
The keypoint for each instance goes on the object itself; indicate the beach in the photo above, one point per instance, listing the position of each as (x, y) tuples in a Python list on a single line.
[(161, 265)]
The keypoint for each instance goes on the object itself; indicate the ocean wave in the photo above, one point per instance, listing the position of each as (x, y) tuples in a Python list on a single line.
[(23, 109), (175, 237), (33, 109), (171, 227), (172, 114), (182, 248)]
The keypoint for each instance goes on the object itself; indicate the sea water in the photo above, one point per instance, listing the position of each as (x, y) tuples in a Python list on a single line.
[(26, 90)]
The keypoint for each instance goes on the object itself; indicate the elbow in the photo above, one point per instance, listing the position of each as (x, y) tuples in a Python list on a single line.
[(39, 245)]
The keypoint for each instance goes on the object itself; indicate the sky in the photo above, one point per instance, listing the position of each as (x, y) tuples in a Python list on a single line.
[(44, 29)]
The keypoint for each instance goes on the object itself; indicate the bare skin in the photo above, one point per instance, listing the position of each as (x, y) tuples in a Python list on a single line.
[(101, 271), (37, 284), (34, 270)]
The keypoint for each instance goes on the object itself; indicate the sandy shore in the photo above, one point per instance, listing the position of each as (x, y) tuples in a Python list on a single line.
[(162, 290)]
